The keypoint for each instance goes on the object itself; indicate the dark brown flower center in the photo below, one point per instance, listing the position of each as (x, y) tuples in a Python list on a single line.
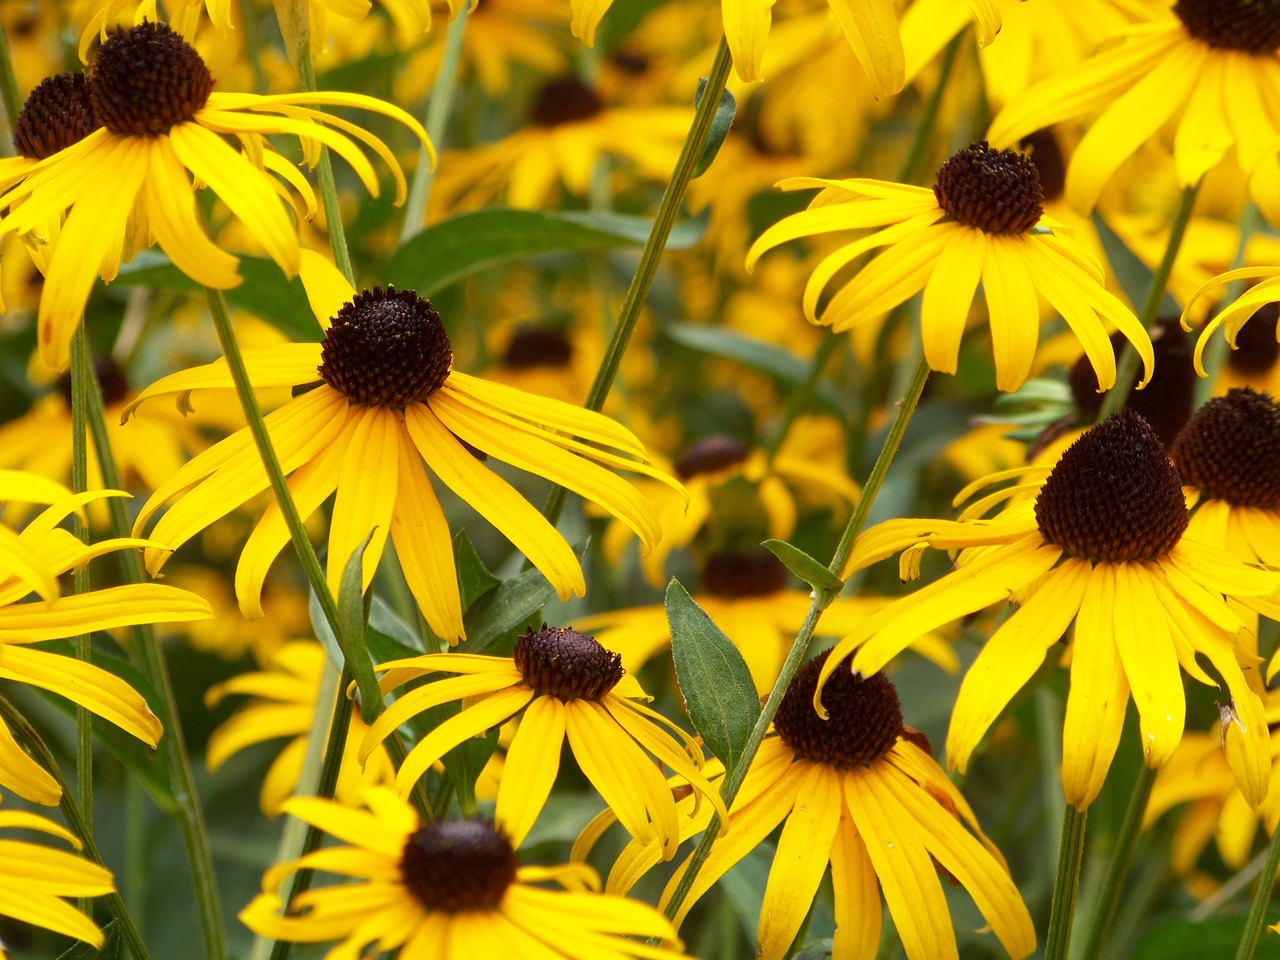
[(711, 455), (538, 347), (111, 381), (745, 573), (1168, 399), (56, 114), (1046, 153), (995, 191), (1251, 26), (456, 866), (632, 62), (387, 348), (563, 663), (864, 717), (1114, 496), (1231, 450), (564, 100), (146, 79), (1257, 348)]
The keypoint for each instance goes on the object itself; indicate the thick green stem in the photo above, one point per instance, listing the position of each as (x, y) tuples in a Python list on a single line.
[(1066, 885), (1127, 367), (664, 220), (9, 93), (1118, 868), (173, 745), (76, 822), (439, 106), (1257, 917), (81, 378), (800, 646)]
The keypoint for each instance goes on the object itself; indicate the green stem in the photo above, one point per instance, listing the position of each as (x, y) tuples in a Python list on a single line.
[(173, 745), (9, 92), (81, 378), (800, 646), (1215, 351), (76, 821), (1127, 368), (664, 220), (1261, 898), (253, 43), (1118, 868), (924, 129), (1066, 885), (439, 106), (801, 395)]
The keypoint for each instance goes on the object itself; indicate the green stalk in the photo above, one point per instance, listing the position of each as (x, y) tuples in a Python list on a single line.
[(9, 93), (800, 646), (1127, 368), (664, 220), (173, 745), (924, 129), (439, 106), (1118, 868), (1215, 351), (1261, 898), (1066, 884), (81, 378), (801, 395), (76, 821)]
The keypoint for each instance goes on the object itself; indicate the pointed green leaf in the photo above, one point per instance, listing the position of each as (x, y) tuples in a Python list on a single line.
[(720, 125), (806, 568), (474, 578), (717, 687), (351, 625)]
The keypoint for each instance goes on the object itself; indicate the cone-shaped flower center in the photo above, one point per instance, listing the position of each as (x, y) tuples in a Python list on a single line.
[(56, 114), (995, 191), (1257, 349), (1114, 496), (146, 79), (1045, 152), (711, 455), (564, 100), (865, 719), (1169, 398), (745, 573), (1252, 26), (1231, 450), (387, 348), (111, 380), (531, 347), (455, 866), (566, 664)]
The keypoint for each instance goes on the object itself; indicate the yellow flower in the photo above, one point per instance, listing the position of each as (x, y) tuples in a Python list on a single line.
[(34, 879), (284, 705), (983, 220), (447, 890), (126, 179), (1233, 317), (374, 400), (1212, 64), (858, 791), (568, 687), (1102, 545)]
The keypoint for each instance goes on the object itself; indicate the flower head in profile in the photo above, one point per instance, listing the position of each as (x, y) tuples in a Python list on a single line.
[(1206, 68), (373, 401), (983, 221), (859, 791), (1103, 544), (567, 687), (1233, 317), (446, 890), (285, 700), (35, 879), (120, 172)]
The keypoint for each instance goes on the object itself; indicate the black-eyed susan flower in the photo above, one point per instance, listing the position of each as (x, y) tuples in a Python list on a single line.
[(35, 879), (746, 594), (1210, 66), (982, 221), (569, 687), (859, 792), (24, 624), (448, 890), (1103, 544), (158, 123), (284, 705), (1236, 314), (374, 400)]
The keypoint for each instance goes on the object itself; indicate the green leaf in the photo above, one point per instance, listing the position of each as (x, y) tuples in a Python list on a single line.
[(389, 637), (508, 606), (470, 242), (474, 578), (720, 125), (826, 583), (1183, 940), (351, 626), (717, 687), (110, 949), (1134, 275), (266, 292), (751, 353)]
